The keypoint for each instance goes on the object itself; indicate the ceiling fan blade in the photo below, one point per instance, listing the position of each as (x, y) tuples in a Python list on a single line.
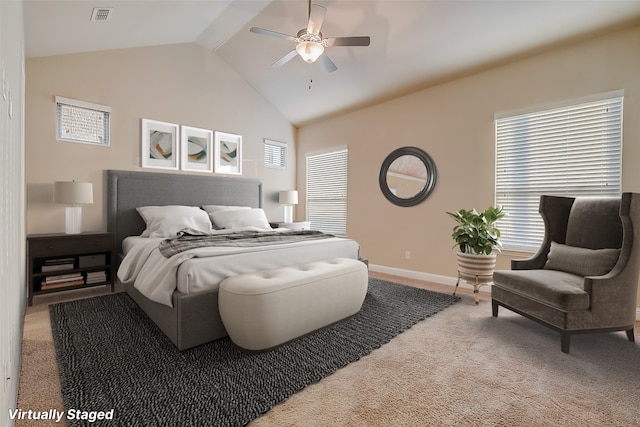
[(316, 17), (271, 33), (348, 41), (327, 63), (288, 57)]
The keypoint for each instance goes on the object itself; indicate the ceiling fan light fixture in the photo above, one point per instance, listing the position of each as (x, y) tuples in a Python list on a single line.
[(309, 50)]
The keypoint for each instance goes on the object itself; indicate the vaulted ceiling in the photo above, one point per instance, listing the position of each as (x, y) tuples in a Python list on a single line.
[(414, 43)]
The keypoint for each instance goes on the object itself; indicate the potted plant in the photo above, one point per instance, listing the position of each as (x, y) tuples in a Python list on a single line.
[(477, 238)]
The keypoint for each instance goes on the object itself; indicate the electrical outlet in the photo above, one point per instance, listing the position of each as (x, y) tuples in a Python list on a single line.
[(407, 255)]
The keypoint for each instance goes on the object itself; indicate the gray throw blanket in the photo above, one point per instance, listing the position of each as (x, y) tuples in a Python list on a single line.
[(185, 242)]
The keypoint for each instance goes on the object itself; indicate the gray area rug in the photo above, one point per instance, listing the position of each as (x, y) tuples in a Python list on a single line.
[(111, 356)]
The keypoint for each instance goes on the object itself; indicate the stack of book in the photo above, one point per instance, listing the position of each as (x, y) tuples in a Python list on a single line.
[(96, 277), (61, 280), (57, 264)]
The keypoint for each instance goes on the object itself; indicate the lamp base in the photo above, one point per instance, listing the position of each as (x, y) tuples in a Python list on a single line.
[(73, 220), (288, 213)]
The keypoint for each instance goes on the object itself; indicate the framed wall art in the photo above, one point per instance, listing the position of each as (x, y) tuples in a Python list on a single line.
[(228, 153), (196, 149), (160, 148)]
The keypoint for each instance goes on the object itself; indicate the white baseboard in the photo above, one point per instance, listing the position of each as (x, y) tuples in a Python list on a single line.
[(419, 275), (435, 278)]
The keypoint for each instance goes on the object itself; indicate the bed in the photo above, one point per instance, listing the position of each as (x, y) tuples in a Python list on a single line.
[(190, 317)]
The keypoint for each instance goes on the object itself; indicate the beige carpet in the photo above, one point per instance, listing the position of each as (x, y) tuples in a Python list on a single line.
[(459, 367)]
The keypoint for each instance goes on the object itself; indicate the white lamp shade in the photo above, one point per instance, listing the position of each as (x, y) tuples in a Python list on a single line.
[(288, 197), (72, 192), (309, 50)]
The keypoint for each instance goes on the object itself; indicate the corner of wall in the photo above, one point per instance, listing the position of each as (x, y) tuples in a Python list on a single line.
[(12, 218)]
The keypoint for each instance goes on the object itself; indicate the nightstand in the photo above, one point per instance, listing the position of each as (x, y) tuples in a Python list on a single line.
[(60, 262), (302, 225)]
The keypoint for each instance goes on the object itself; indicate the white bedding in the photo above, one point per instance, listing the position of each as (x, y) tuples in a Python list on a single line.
[(202, 269)]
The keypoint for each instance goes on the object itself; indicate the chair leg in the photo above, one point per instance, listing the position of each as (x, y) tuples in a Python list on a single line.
[(630, 335), (494, 307), (565, 341)]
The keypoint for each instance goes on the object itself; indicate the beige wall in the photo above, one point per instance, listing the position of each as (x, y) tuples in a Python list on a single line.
[(453, 122), (182, 84)]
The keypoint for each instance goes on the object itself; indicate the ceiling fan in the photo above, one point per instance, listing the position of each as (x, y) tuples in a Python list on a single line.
[(310, 43)]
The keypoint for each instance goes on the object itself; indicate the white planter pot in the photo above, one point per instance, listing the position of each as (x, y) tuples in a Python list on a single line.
[(477, 270)]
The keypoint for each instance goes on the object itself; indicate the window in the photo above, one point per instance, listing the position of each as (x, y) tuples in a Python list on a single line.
[(79, 121), (573, 150), (327, 191), (275, 154)]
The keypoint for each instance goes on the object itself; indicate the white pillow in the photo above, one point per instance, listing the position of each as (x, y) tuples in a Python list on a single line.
[(167, 221), (210, 209), (231, 219)]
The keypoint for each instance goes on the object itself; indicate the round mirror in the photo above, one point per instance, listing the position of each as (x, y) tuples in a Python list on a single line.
[(407, 176)]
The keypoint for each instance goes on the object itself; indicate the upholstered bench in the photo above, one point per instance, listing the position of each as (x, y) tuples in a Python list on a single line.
[(268, 308)]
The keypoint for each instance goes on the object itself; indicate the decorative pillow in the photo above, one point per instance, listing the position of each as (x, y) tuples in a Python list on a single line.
[(230, 219), (167, 221), (581, 261), (211, 209)]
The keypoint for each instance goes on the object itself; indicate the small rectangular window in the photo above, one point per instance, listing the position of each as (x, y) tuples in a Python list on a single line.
[(275, 154), (327, 191), (83, 122)]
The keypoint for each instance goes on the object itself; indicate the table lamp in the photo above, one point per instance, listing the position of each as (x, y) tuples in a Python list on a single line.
[(73, 193), (288, 199)]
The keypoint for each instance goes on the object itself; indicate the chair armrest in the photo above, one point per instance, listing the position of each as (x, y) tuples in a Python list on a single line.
[(534, 262), (615, 293), (612, 300)]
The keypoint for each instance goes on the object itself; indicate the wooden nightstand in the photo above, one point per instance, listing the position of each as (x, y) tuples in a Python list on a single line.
[(60, 262)]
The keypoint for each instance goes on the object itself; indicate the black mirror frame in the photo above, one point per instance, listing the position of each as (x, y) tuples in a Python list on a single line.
[(429, 185)]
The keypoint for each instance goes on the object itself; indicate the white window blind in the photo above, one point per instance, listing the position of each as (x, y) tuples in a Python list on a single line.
[(573, 150), (275, 154), (327, 191), (84, 122)]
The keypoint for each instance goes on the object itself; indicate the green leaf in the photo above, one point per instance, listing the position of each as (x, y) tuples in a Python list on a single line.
[(475, 231)]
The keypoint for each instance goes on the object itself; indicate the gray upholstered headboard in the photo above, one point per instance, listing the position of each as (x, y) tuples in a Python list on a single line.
[(127, 190)]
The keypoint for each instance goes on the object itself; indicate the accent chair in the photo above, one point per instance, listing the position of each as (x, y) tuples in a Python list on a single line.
[(584, 277)]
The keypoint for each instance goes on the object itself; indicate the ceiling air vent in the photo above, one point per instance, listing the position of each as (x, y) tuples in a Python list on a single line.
[(101, 13)]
